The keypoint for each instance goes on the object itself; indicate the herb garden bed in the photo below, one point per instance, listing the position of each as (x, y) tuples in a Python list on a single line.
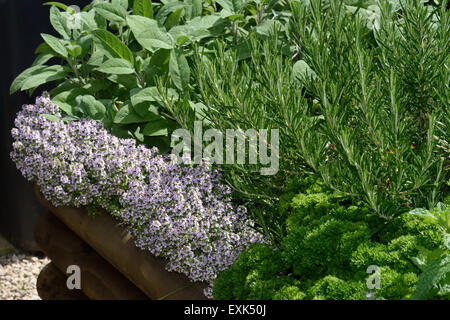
[(353, 98), (112, 242)]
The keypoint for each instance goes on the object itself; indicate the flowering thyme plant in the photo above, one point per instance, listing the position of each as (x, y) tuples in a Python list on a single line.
[(183, 214)]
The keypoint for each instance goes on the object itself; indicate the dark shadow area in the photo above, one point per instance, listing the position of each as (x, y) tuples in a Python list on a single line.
[(21, 23)]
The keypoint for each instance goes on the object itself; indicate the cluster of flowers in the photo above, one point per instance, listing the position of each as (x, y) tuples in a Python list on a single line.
[(178, 212)]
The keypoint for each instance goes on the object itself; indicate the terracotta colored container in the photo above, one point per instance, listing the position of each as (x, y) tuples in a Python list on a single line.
[(99, 280), (113, 243)]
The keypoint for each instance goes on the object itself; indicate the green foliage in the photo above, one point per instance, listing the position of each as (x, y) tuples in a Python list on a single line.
[(113, 49), (439, 216), (435, 264), (435, 279), (382, 96), (227, 86), (332, 288), (358, 91), (260, 277), (329, 246), (289, 292), (396, 284), (314, 251)]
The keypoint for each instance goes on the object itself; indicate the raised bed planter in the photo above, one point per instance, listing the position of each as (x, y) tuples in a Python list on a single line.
[(112, 242), (99, 279)]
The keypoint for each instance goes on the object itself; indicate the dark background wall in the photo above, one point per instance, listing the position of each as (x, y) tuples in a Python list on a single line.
[(21, 23)]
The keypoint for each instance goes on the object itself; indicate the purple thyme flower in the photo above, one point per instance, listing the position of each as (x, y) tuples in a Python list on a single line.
[(181, 213)]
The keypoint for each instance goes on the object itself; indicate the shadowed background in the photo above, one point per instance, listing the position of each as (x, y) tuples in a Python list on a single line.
[(21, 23)]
